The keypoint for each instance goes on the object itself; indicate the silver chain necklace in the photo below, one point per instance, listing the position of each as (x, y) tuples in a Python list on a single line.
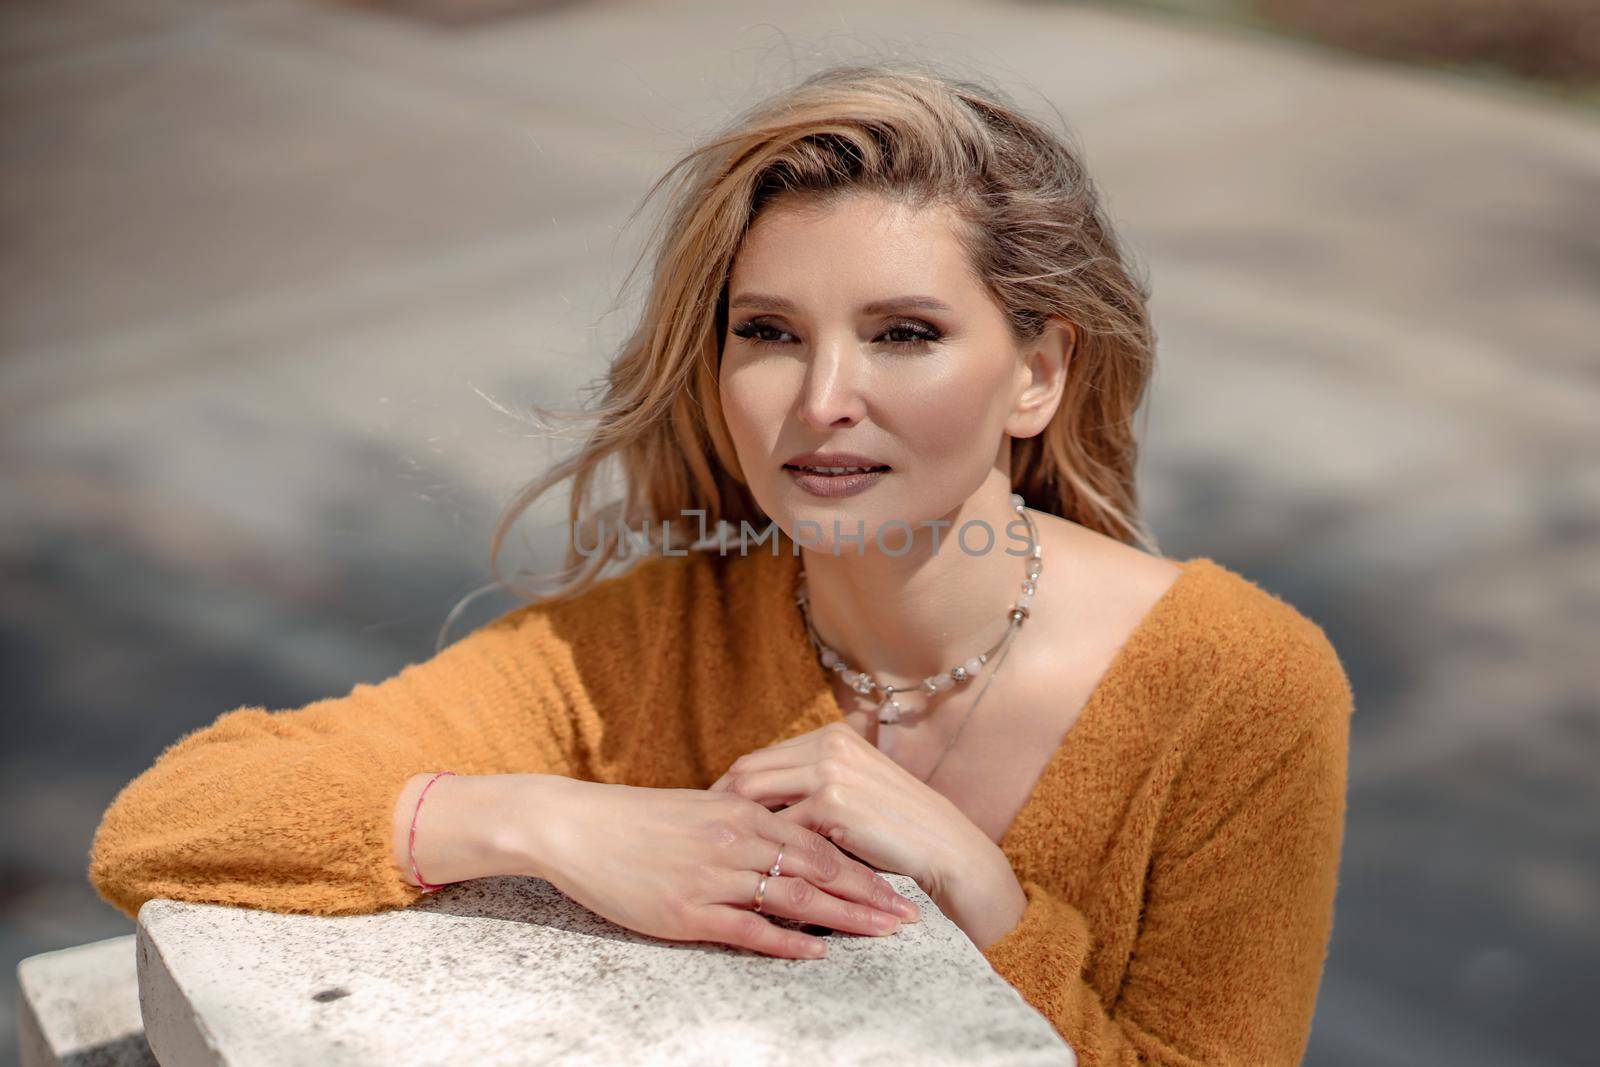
[(889, 709)]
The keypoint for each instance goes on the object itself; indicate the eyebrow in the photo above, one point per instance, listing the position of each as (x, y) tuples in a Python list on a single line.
[(876, 307)]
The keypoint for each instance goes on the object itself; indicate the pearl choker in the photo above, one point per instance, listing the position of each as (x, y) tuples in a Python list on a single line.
[(889, 708)]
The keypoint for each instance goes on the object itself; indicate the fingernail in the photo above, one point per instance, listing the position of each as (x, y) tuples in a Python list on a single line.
[(884, 921), (907, 908)]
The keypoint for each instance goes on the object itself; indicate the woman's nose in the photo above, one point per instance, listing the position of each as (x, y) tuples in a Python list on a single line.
[(830, 394)]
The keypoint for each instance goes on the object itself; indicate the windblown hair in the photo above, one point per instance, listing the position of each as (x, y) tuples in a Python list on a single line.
[(1031, 222)]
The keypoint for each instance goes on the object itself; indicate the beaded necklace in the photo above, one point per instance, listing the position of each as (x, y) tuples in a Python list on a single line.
[(889, 709)]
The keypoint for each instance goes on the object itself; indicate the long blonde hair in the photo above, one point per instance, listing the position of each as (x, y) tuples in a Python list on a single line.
[(1036, 233)]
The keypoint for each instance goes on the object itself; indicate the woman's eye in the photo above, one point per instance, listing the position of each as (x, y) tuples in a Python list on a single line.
[(919, 334), (755, 331), (900, 334)]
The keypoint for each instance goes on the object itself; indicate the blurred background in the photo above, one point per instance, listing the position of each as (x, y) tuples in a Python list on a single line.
[(280, 279)]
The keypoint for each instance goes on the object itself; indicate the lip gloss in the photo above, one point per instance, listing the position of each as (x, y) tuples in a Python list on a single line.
[(835, 485)]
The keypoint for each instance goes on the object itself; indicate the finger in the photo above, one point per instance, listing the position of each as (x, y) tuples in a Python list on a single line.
[(797, 898), (857, 911), (750, 929), (804, 815), (754, 760), (777, 787), (809, 855), (762, 759)]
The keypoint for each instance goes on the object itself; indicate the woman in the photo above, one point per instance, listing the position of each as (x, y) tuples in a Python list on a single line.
[(892, 334)]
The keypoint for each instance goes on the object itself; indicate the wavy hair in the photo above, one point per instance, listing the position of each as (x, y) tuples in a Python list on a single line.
[(1037, 235)]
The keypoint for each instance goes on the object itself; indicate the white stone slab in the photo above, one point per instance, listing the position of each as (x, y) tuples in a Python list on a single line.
[(80, 1006), (511, 970)]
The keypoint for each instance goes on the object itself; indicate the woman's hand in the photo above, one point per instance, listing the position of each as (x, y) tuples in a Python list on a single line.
[(684, 864), (841, 786)]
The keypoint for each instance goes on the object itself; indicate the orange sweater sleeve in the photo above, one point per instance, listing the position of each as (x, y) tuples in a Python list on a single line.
[(292, 810), (1238, 912)]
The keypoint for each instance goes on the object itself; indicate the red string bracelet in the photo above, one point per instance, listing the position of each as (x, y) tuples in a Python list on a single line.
[(411, 845)]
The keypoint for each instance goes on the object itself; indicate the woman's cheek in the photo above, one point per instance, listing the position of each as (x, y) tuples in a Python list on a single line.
[(753, 409), (947, 419)]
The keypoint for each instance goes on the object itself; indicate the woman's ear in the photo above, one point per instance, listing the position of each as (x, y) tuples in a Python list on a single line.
[(1042, 377)]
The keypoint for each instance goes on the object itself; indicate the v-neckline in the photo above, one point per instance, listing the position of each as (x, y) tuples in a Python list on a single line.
[(822, 708)]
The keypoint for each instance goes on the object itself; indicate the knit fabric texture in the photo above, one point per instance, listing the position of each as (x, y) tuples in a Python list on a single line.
[(1179, 854)]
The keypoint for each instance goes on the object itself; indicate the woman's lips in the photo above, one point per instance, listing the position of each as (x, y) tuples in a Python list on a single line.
[(822, 484)]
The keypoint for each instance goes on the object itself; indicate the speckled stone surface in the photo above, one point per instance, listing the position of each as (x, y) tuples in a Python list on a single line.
[(511, 970), (80, 1006)]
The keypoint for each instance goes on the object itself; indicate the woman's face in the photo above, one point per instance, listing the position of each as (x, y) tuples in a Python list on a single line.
[(857, 328)]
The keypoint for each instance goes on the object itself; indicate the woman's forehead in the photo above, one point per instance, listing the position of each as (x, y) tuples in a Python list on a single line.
[(861, 250)]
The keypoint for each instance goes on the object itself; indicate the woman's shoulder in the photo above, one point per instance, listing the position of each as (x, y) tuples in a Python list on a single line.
[(1262, 662), (1260, 743), (1241, 613)]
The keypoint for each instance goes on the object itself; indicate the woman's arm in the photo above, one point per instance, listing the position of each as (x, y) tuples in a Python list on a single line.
[(479, 825), (1239, 898), (295, 810)]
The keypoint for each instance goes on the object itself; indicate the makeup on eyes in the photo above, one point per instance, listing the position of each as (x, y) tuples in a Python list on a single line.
[(922, 333)]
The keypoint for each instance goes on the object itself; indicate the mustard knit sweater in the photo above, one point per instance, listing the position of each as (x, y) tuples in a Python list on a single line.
[(1179, 854)]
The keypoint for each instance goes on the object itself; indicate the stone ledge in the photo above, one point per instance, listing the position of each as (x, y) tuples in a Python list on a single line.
[(80, 1006), (511, 970)]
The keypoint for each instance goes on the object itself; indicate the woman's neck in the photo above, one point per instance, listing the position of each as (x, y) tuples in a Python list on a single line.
[(903, 618)]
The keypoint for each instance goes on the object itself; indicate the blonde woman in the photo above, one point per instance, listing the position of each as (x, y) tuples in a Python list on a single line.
[(892, 343)]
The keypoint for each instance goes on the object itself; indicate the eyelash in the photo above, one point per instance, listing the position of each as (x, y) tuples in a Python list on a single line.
[(926, 334)]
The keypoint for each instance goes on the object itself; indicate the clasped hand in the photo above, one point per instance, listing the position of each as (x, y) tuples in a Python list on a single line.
[(687, 864), (833, 781)]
